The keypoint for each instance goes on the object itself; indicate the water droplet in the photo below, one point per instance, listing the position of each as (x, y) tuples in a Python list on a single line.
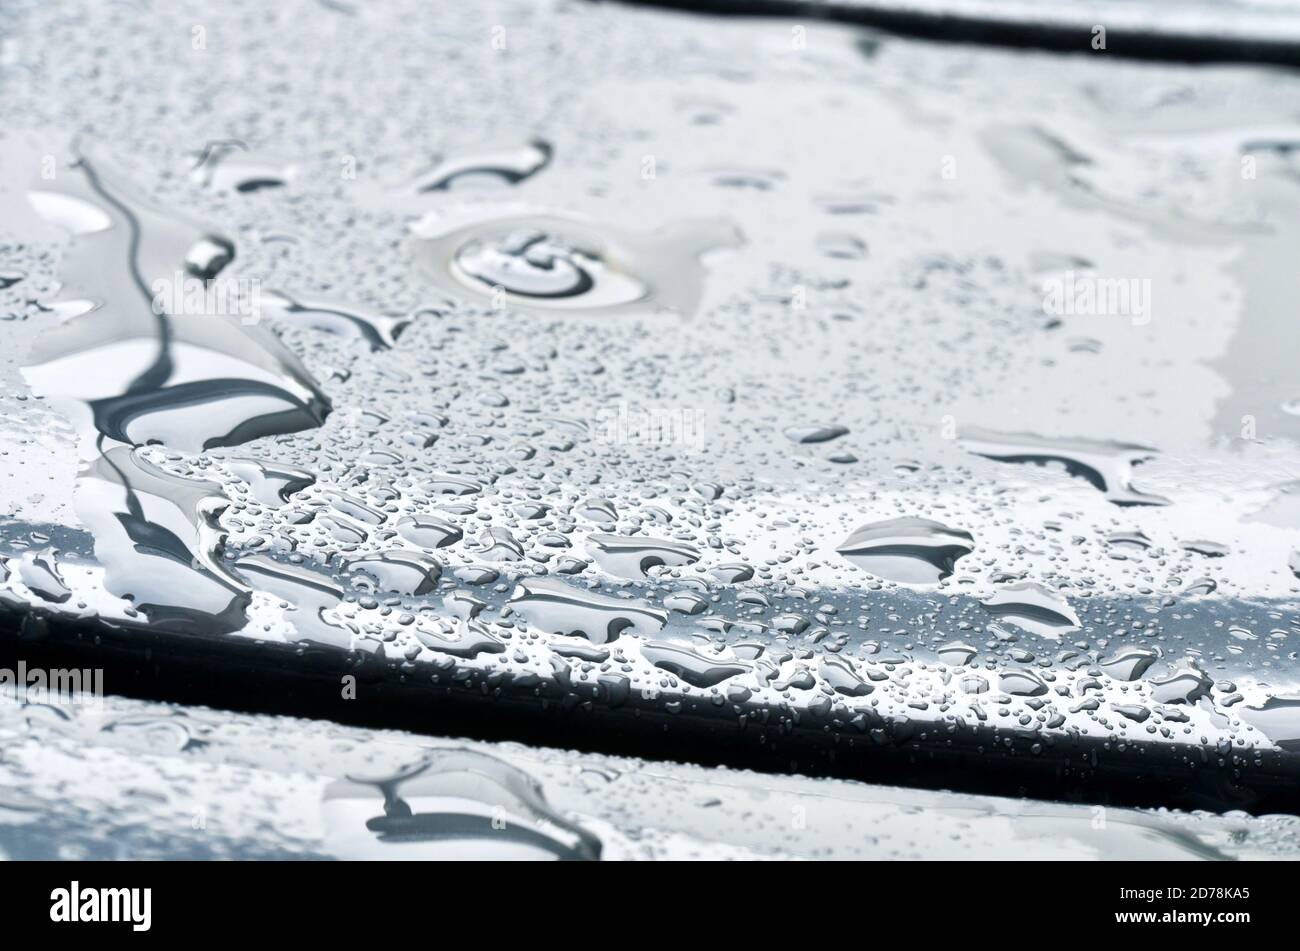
[(908, 550), (135, 375), (378, 331), (428, 531), (1278, 719), (733, 573), (841, 245), (230, 166), (311, 595), (1106, 465), (468, 639), (558, 608), (1129, 663), (697, 669), (1185, 685), (1033, 607), (1021, 683), (842, 677), (548, 265), (684, 602), (1132, 539), (485, 167), (40, 572), (632, 557), (956, 654), (159, 541), (455, 804), (815, 433), (1132, 711), (402, 572), (270, 483)]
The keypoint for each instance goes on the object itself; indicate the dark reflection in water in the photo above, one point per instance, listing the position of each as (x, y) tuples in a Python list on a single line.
[(152, 354), (457, 804)]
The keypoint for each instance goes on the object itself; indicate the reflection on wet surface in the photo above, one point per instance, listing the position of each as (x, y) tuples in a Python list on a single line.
[(456, 804), (678, 417), (543, 264), (133, 374), (139, 780)]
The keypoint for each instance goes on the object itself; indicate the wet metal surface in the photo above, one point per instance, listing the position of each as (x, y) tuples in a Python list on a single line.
[(765, 391)]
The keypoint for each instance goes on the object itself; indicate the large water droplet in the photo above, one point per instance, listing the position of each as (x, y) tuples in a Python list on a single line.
[(1033, 607), (230, 166), (908, 550), (128, 369), (697, 669), (157, 536), (402, 572), (1278, 719), (1107, 465), (632, 557), (310, 594), (1129, 663), (485, 167), (548, 265), (558, 608), (456, 804)]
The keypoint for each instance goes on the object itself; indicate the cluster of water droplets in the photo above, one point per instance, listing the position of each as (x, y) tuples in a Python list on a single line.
[(470, 484)]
